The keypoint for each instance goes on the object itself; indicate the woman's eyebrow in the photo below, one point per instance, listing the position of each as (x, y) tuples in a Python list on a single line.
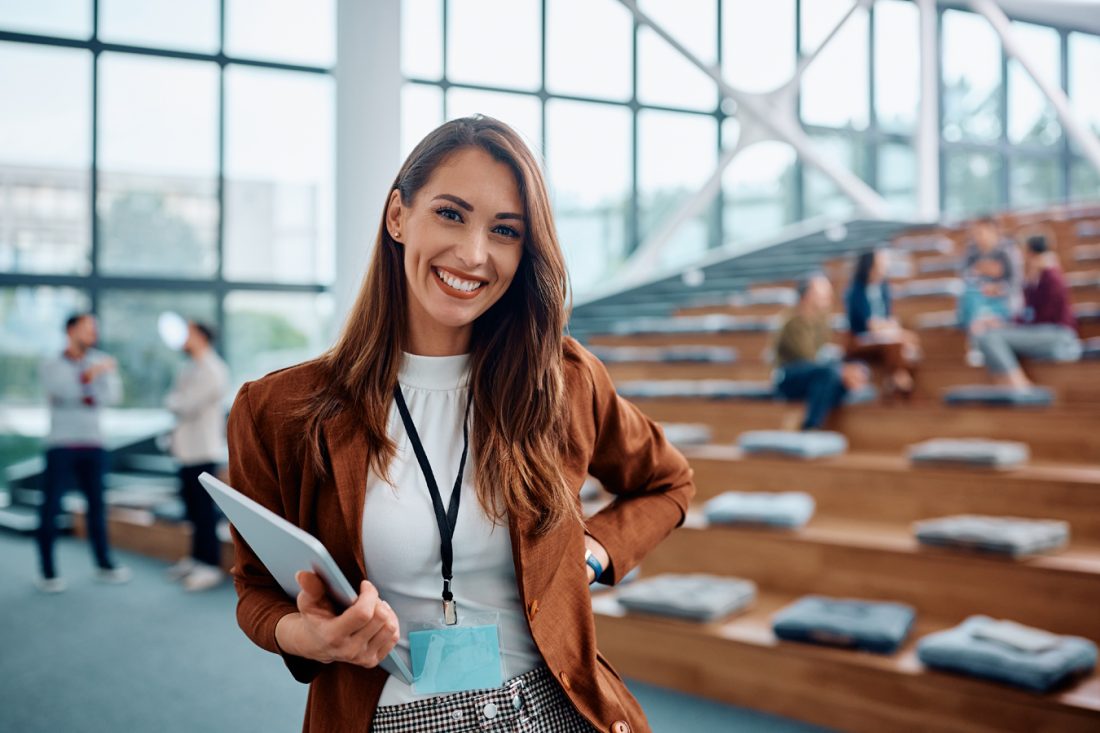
[(469, 207)]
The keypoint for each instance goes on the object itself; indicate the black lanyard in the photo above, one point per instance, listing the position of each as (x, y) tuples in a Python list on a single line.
[(445, 519)]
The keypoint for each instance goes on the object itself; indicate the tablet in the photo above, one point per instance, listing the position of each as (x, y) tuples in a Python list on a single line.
[(285, 549)]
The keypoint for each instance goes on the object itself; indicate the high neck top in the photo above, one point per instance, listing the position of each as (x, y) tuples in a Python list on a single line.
[(434, 372)]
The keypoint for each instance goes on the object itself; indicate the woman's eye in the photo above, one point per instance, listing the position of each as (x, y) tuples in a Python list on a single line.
[(506, 231), (448, 213)]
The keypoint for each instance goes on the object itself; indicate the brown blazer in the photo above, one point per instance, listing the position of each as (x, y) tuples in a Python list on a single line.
[(609, 438)]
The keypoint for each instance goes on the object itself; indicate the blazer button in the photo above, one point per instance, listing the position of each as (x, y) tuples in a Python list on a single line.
[(532, 609), (564, 680), (620, 726)]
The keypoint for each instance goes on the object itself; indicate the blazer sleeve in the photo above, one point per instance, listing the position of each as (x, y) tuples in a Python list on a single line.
[(651, 480), (261, 602)]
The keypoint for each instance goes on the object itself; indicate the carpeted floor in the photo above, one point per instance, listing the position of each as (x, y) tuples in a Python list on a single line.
[(149, 657)]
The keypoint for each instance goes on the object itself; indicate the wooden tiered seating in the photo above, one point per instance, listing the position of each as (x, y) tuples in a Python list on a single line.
[(859, 544)]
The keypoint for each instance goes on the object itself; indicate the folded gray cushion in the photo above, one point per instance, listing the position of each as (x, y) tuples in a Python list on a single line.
[(766, 296), (874, 626), (861, 396), (1006, 652), (1090, 348), (970, 452), (948, 264), (950, 286), (701, 354), (1086, 312), (1088, 229), (926, 243), (1082, 279), (716, 389), (778, 509), (714, 323), (809, 444), (698, 597), (993, 394), (939, 319), (684, 433), (1013, 536)]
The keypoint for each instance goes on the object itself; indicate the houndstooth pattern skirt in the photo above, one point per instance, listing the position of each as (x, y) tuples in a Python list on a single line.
[(530, 703)]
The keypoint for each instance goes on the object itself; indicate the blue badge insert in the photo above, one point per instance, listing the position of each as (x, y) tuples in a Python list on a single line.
[(456, 658)]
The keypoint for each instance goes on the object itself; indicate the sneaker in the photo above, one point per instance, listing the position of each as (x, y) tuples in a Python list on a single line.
[(182, 568), (113, 576), (203, 577), (50, 585)]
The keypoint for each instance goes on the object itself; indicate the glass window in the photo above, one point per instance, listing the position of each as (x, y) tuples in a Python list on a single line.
[(421, 112), (128, 332), (677, 153), (158, 162), (822, 196), (665, 76), (521, 111), (494, 42), (589, 165), (588, 48), (1031, 117), (971, 78), (824, 100), (191, 26), (1035, 181), (422, 38), (897, 65), (65, 18), (759, 187), (279, 176), (897, 176), (1084, 182), (32, 327), (291, 31), (269, 331), (1084, 60), (45, 159), (758, 52), (972, 183)]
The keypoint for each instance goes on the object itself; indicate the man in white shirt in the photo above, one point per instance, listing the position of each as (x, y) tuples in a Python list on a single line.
[(198, 445)]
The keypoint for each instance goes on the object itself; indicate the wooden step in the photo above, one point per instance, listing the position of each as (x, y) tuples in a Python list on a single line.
[(879, 561), (1067, 433), (740, 661), (885, 488), (138, 531)]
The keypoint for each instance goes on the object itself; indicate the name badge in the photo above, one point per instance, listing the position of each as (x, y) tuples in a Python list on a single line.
[(456, 658)]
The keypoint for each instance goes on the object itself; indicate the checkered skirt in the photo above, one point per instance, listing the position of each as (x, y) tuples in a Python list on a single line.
[(530, 703)]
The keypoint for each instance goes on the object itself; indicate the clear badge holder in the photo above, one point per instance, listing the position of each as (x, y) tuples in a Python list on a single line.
[(459, 657)]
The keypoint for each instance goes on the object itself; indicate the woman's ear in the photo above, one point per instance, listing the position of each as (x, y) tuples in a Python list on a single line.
[(395, 216)]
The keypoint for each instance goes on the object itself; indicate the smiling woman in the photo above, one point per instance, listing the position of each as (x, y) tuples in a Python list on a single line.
[(455, 348)]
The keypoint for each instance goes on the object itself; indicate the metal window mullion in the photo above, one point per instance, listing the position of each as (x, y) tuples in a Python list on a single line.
[(93, 280), (633, 223), (799, 168), (718, 207), (220, 290), (1067, 158), (1004, 145), (940, 112)]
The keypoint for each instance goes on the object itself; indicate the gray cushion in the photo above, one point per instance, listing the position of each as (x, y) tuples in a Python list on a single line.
[(682, 433), (949, 264), (1090, 348), (939, 319), (778, 509), (992, 394), (716, 389), (703, 354), (698, 597), (970, 452), (925, 243), (1088, 229), (950, 286), (1087, 312), (766, 296), (1013, 536), (873, 626), (984, 647), (809, 444), (715, 323)]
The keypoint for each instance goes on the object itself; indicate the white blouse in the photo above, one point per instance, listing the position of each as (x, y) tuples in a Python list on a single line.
[(400, 535)]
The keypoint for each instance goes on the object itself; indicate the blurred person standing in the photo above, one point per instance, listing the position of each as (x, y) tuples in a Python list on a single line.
[(78, 383), (198, 445)]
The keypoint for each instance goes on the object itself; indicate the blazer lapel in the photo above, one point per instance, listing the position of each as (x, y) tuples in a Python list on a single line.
[(347, 449)]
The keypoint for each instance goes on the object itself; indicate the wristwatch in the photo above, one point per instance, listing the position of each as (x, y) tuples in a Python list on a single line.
[(591, 561)]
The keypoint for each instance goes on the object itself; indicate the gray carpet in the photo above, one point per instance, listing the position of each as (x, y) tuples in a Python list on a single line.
[(149, 657)]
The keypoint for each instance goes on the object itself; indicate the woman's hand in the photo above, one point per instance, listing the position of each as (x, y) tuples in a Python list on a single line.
[(363, 634), (601, 554)]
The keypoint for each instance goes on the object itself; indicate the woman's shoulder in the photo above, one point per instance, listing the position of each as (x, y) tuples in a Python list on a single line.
[(278, 393)]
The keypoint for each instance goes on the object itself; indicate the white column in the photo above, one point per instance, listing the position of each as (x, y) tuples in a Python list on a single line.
[(368, 134), (928, 122)]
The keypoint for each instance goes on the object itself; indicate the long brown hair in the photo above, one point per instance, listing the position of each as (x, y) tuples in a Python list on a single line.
[(516, 380)]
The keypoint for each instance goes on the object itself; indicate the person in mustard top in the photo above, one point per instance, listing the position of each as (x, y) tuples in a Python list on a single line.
[(438, 450)]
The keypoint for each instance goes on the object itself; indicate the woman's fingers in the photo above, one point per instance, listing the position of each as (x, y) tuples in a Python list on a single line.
[(383, 636), (313, 598)]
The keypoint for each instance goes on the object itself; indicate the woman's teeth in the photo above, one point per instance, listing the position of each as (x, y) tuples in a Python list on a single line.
[(467, 286)]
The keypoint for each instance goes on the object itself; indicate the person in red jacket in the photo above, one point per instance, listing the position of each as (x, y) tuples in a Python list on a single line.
[(1046, 326)]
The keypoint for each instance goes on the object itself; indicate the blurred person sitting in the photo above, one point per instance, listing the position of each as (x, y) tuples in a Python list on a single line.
[(874, 334), (992, 275), (78, 383), (198, 445), (801, 372), (1045, 324)]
